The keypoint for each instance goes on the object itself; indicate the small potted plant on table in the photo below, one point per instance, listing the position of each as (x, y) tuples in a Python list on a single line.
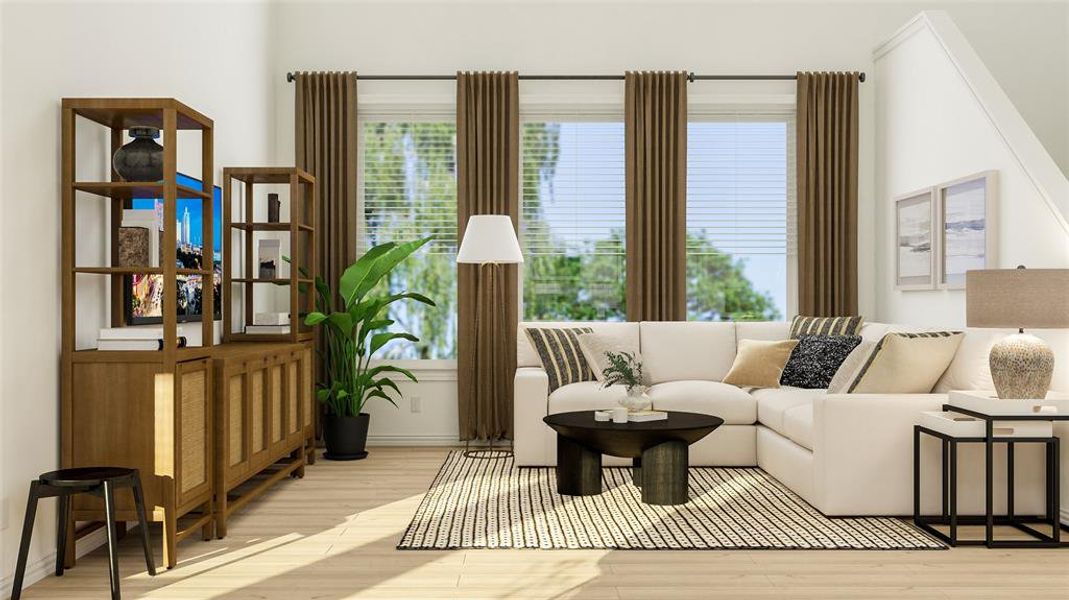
[(625, 369)]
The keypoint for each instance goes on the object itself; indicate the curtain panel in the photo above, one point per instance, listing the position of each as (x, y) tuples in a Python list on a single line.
[(827, 157), (325, 146), (488, 134), (655, 149)]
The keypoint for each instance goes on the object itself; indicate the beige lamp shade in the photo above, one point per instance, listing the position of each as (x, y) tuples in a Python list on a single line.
[(1018, 298), (489, 239)]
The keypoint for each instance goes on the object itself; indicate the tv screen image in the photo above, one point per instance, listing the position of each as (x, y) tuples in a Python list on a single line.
[(144, 292)]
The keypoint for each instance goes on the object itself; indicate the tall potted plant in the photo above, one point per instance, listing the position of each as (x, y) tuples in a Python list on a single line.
[(353, 335)]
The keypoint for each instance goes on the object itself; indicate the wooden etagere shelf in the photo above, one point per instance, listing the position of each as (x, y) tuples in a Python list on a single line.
[(156, 403), (301, 229)]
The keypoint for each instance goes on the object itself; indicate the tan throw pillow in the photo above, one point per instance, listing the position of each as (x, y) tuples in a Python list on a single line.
[(759, 363), (595, 345), (906, 363), (851, 365)]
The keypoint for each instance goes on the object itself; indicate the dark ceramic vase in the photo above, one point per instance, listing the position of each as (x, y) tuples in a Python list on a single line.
[(142, 158), (345, 437)]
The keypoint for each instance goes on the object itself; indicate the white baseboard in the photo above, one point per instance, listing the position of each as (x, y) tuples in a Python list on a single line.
[(413, 440), (45, 566)]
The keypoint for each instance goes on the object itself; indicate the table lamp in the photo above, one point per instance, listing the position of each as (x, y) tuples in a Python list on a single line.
[(489, 241), (1021, 364)]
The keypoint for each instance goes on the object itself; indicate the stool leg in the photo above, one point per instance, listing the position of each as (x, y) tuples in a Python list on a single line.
[(142, 524), (113, 550), (63, 512), (24, 545)]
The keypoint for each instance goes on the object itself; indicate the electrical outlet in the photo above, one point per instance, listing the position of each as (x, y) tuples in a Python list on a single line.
[(5, 509), (415, 403)]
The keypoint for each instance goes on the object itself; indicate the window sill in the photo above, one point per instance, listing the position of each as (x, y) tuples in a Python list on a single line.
[(425, 370)]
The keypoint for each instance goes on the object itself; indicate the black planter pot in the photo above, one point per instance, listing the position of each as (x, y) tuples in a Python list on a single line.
[(345, 437)]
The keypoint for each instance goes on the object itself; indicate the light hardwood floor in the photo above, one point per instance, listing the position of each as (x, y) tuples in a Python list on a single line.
[(332, 535)]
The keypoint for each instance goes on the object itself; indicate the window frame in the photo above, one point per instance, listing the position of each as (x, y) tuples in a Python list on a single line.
[(432, 369), (767, 112), (564, 112)]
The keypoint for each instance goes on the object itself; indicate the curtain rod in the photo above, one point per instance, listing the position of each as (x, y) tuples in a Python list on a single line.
[(691, 77)]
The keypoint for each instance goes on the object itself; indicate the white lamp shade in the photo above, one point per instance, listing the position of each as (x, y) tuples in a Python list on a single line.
[(489, 239)]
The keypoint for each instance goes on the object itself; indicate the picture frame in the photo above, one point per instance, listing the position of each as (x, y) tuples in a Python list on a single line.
[(915, 253), (965, 227)]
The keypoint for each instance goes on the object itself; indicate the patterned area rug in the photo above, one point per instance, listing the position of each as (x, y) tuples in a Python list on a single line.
[(492, 504)]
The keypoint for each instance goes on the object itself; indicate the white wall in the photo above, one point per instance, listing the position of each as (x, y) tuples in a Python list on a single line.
[(215, 59), (602, 37), (936, 123)]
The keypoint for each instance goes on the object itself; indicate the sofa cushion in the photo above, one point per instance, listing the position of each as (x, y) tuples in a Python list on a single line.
[(585, 395), (558, 349), (527, 357), (728, 402), (815, 360), (798, 425), (762, 330), (906, 363), (680, 350), (772, 404), (759, 363), (802, 325), (971, 369)]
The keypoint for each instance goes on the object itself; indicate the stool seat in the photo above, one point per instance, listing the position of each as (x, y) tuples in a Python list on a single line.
[(85, 476)]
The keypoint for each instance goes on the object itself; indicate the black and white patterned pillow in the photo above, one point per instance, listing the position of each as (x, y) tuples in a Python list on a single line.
[(816, 358), (562, 358)]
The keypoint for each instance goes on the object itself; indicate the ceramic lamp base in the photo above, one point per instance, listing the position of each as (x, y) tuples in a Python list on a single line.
[(1021, 367)]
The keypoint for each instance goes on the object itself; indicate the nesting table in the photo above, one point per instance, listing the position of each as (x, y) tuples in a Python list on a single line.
[(658, 450)]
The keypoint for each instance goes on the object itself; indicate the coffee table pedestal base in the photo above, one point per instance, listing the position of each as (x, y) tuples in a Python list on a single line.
[(662, 474), (578, 469)]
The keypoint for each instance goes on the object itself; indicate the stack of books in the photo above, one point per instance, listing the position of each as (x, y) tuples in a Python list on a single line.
[(643, 416), (133, 338)]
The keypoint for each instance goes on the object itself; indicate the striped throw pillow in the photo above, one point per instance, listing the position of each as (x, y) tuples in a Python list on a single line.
[(906, 363), (825, 326), (562, 358)]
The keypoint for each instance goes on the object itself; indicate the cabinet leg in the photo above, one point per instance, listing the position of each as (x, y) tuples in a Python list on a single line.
[(220, 514), (207, 532), (170, 538)]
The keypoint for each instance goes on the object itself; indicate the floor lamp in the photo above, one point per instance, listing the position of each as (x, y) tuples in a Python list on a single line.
[(489, 241)]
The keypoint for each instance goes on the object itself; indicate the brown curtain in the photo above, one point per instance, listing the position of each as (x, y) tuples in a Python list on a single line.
[(827, 193), (655, 121), (488, 132), (326, 147)]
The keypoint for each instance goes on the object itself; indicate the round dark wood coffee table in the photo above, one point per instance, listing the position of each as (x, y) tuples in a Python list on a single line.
[(658, 450)]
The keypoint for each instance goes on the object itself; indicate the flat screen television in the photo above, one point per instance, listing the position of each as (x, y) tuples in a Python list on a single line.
[(144, 292)]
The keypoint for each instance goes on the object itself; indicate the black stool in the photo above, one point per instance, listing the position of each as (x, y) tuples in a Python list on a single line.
[(62, 484)]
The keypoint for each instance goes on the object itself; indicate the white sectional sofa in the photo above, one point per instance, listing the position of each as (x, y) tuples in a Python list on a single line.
[(847, 455)]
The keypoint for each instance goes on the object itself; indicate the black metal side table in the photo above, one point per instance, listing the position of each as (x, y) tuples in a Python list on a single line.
[(989, 520)]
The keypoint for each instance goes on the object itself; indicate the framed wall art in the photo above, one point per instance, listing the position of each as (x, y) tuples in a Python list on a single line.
[(915, 248), (965, 228)]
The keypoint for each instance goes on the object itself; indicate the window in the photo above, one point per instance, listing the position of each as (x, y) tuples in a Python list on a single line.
[(740, 217), (409, 190), (572, 222)]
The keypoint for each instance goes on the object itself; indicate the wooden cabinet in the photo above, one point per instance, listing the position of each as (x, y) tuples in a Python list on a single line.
[(265, 419), (136, 413)]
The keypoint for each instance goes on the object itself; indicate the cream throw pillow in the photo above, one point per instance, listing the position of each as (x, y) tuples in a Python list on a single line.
[(905, 363), (851, 365), (595, 345), (759, 363)]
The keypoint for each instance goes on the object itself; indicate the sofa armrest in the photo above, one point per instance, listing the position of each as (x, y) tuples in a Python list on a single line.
[(530, 405), (863, 451)]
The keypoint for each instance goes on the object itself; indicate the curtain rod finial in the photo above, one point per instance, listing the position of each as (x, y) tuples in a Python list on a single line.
[(861, 77), (290, 78)]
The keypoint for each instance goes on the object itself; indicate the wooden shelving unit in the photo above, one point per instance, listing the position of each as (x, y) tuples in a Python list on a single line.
[(150, 410), (302, 230)]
